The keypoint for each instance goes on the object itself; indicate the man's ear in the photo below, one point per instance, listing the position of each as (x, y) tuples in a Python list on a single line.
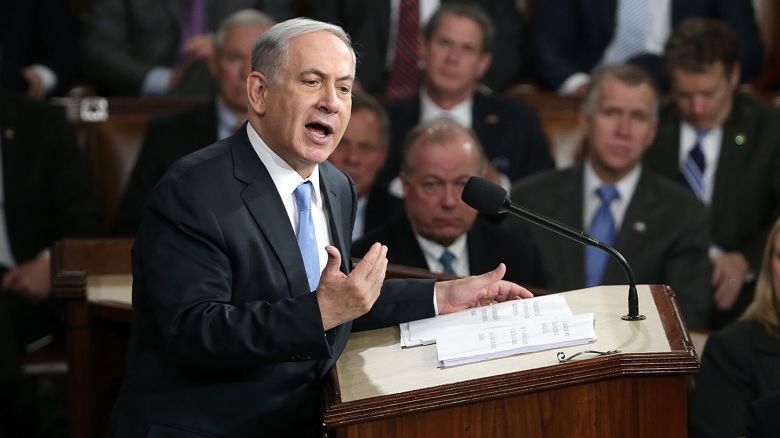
[(257, 92), (486, 59)]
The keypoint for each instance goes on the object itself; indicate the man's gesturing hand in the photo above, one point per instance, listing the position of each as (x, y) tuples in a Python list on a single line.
[(477, 290), (344, 297)]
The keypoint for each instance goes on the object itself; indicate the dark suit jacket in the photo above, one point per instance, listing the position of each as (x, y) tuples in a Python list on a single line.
[(663, 237), (368, 23), (381, 207), (36, 32), (746, 196), (226, 338), (739, 366), (487, 246), (570, 36), (509, 131), (167, 139), (49, 192)]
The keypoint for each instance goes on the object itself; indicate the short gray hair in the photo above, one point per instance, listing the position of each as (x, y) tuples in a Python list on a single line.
[(269, 52), (244, 17), (628, 74)]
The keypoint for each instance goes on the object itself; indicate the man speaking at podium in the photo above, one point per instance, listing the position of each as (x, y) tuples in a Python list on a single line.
[(243, 293), (659, 228)]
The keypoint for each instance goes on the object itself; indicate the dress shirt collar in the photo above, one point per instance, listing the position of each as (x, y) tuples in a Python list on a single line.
[(461, 112), (433, 251), (285, 178), (226, 120), (625, 188)]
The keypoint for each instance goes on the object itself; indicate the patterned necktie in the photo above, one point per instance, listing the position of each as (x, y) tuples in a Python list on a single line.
[(630, 33), (446, 259), (692, 169), (404, 78), (307, 241), (602, 228)]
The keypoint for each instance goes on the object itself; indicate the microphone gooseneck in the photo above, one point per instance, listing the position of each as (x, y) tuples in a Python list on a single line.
[(486, 197)]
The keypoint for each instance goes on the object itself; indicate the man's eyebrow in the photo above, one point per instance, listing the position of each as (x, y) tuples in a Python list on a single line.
[(322, 74)]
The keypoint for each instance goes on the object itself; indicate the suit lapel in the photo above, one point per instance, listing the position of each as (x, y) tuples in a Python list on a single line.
[(569, 210), (732, 156), (631, 236), (266, 207), (339, 229), (15, 162), (484, 121)]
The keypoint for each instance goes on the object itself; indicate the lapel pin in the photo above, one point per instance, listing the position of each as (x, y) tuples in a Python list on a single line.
[(640, 227), (740, 139), (491, 119), (9, 133)]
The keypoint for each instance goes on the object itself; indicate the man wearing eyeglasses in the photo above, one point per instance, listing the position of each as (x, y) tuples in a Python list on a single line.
[(438, 231)]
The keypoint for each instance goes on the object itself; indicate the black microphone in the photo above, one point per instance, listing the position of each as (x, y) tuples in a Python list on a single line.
[(486, 197)]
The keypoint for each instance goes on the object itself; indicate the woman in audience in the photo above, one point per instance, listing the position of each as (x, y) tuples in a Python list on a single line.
[(741, 364)]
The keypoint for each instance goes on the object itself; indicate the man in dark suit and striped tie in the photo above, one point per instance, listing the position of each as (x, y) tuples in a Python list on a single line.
[(724, 146)]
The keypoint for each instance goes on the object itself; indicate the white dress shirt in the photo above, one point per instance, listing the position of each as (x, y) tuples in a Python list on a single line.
[(710, 147), (286, 179)]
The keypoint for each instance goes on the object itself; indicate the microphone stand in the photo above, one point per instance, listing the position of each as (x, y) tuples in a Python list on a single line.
[(581, 237)]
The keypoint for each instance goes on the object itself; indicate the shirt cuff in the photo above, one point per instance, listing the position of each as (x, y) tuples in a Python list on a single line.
[(156, 81), (435, 306), (47, 75), (573, 82)]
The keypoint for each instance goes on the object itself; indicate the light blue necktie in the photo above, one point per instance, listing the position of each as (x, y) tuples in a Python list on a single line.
[(307, 241), (602, 228), (630, 33), (446, 259), (692, 169)]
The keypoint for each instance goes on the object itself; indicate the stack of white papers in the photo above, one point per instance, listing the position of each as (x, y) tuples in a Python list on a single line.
[(459, 346), (500, 330)]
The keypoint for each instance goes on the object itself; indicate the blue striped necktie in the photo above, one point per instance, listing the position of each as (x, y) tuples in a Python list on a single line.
[(692, 169), (602, 228), (307, 242)]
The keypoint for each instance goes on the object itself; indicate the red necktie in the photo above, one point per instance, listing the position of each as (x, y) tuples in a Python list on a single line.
[(405, 75)]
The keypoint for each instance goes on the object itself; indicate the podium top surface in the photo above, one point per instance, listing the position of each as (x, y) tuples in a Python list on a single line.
[(374, 364)]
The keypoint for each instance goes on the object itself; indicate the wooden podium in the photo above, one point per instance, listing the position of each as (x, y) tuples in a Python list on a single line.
[(381, 390), (378, 389)]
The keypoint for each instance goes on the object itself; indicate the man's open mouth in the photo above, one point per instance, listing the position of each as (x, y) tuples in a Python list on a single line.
[(319, 129)]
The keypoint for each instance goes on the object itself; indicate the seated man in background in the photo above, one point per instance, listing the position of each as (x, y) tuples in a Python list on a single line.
[(46, 193), (456, 54), (361, 154), (155, 48), (171, 137), (660, 228), (724, 147), (387, 33), (570, 38), (439, 232)]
